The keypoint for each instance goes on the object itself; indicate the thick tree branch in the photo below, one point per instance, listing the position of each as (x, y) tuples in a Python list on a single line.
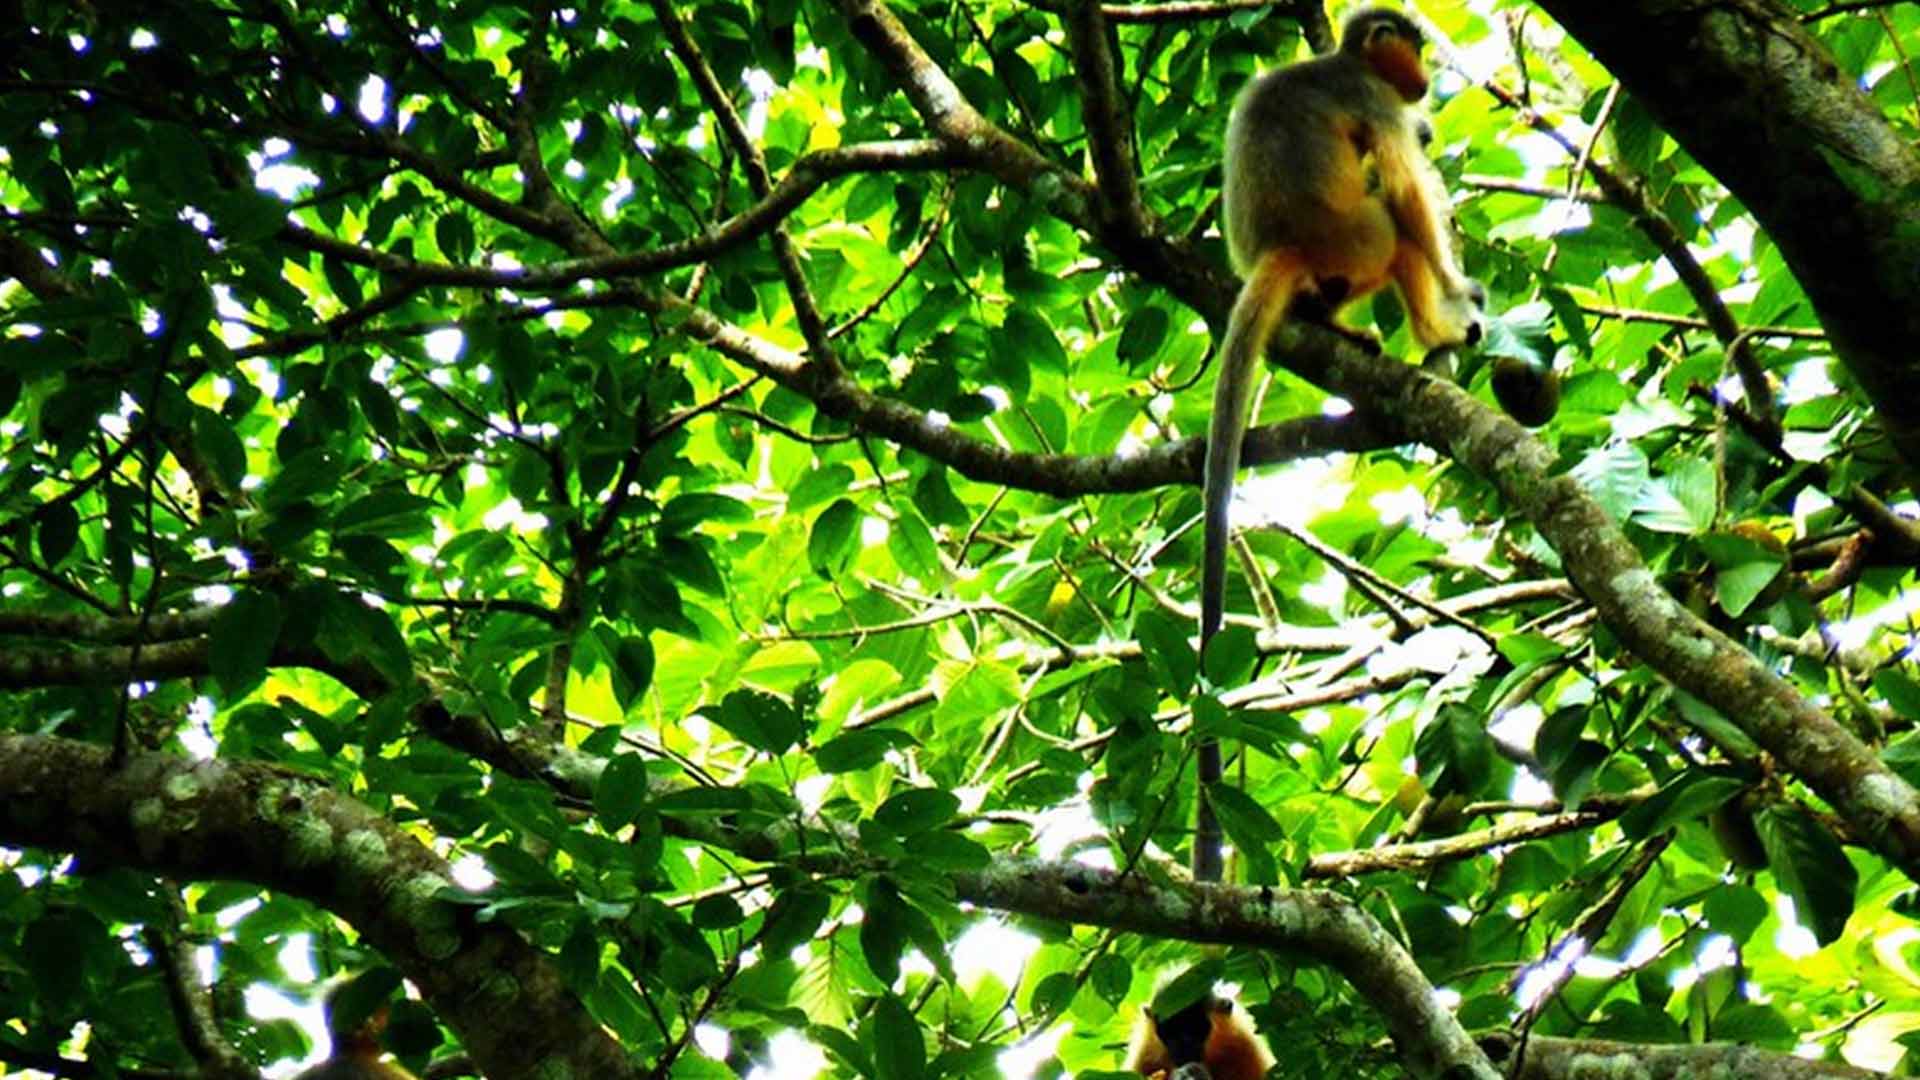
[(1325, 926), (192, 1004), (222, 819), (1108, 120), (1550, 1058)]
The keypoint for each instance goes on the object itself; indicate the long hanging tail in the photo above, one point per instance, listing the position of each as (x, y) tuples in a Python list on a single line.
[(1262, 303)]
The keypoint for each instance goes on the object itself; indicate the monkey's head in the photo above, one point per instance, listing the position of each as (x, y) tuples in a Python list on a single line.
[(1185, 1033), (1389, 43)]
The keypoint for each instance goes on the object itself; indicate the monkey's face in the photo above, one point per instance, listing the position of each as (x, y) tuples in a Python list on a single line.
[(1185, 1034), (1390, 45)]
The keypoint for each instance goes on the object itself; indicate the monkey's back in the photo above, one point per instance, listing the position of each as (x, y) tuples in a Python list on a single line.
[(1294, 152)]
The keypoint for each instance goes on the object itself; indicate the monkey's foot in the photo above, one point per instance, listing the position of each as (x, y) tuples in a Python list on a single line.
[(1333, 291)]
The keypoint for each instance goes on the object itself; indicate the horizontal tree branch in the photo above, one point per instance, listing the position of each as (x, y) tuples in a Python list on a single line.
[(232, 820), (1550, 1058), (808, 175)]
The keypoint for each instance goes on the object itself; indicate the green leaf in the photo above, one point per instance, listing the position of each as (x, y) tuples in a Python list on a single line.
[(718, 913), (883, 932), (835, 539), (916, 810), (220, 447), (688, 512), (765, 722), (384, 513), (1736, 911), (1903, 757), (1112, 977), (1811, 867), (979, 691), (1033, 339), (1253, 831), (622, 791), (242, 639), (58, 530), (688, 561), (1169, 652), (900, 1050), (950, 852), (858, 750), (1686, 797), (1145, 334), (632, 669), (796, 915), (933, 496), (1901, 690), (1054, 994), (1231, 655)]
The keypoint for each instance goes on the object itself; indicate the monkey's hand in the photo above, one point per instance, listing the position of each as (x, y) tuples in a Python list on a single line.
[(1467, 302)]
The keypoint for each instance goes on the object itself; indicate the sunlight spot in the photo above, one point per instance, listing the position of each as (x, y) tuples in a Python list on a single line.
[(1645, 948), (286, 181), (1024, 1060), (445, 345), (1542, 977), (790, 1057), (1405, 505), (990, 947), (713, 1040), (1792, 939), (373, 99), (142, 40), (1715, 953), (229, 917), (811, 792)]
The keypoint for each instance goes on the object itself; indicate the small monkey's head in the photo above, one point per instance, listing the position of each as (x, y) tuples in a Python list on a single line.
[(1185, 1032), (1389, 43)]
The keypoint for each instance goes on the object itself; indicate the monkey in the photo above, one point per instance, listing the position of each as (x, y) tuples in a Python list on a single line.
[(356, 1046), (1207, 1040), (1327, 199)]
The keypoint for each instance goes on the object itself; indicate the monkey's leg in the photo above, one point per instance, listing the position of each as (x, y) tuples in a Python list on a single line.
[(1351, 257), (1418, 200), (1439, 316)]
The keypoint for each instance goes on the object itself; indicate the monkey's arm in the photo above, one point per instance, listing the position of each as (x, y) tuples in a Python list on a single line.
[(1414, 194)]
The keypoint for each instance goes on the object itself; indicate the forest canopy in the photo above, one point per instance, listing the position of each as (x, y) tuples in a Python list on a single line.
[(661, 539)]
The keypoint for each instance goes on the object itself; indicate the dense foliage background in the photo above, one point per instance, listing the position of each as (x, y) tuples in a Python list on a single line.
[(672, 528)]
